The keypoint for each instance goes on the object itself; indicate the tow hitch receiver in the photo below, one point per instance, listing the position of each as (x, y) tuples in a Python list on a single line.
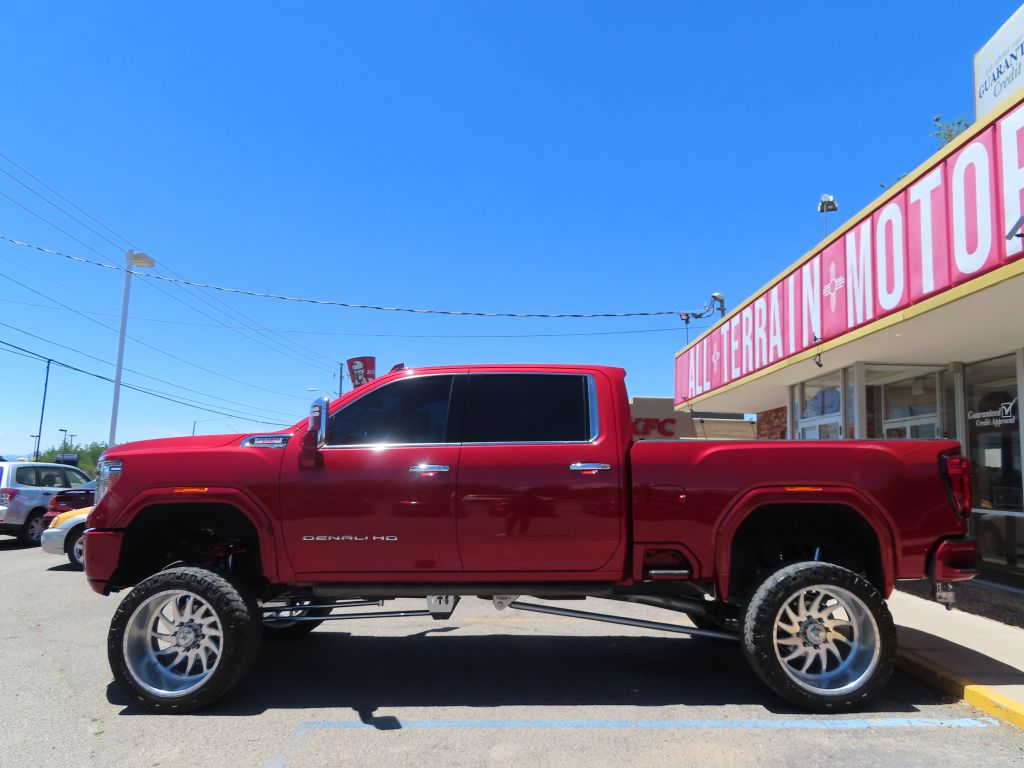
[(945, 593)]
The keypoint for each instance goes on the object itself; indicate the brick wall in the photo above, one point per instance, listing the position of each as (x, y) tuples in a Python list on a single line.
[(772, 424)]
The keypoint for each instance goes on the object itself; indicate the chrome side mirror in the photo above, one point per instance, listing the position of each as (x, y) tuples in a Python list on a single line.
[(318, 420)]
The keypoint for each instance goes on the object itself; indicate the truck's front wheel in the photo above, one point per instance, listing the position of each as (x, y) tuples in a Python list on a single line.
[(181, 639), (820, 636)]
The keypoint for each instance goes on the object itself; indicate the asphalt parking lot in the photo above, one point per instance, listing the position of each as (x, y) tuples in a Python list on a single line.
[(482, 689)]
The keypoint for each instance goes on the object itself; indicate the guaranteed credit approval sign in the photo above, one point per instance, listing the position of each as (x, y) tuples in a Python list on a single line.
[(999, 65), (945, 227)]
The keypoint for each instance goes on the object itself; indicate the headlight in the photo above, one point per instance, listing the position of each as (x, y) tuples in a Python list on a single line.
[(109, 472)]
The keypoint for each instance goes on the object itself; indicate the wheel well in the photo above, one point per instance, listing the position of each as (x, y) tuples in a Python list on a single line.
[(776, 534), (213, 536)]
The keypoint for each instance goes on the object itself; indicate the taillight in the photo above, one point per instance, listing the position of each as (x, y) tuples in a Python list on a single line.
[(957, 470), (7, 495)]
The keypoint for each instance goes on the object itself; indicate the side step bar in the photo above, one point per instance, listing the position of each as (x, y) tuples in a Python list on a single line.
[(622, 620)]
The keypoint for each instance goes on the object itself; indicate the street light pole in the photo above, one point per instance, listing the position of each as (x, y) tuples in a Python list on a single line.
[(132, 259), (64, 438)]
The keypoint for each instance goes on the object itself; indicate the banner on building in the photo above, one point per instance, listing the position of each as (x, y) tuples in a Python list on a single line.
[(999, 64), (361, 370)]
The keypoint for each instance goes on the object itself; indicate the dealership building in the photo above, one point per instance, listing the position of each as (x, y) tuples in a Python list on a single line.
[(906, 322)]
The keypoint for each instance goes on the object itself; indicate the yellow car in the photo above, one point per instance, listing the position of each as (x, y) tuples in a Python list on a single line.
[(66, 536)]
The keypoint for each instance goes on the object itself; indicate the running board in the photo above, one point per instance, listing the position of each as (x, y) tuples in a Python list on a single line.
[(661, 626), (344, 616)]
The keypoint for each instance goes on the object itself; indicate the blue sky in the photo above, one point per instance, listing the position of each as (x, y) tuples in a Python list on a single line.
[(517, 157)]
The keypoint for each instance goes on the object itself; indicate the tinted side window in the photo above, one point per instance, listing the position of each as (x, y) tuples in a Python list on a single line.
[(408, 411), (521, 408), (75, 478), (50, 477), (26, 476)]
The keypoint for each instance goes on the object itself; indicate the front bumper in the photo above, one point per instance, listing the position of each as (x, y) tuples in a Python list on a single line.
[(53, 540), (102, 553)]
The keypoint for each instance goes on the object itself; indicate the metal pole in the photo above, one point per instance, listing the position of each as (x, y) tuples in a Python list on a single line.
[(42, 410), (341, 378), (120, 351), (194, 428)]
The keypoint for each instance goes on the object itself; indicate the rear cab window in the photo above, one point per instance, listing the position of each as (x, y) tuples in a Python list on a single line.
[(530, 408)]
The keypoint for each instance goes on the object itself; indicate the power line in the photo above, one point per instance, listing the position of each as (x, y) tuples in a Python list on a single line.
[(705, 311), (144, 319), (22, 352), (150, 346), (109, 261), (144, 375)]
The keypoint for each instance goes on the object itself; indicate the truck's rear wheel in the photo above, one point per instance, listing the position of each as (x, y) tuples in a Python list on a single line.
[(820, 636), (181, 639)]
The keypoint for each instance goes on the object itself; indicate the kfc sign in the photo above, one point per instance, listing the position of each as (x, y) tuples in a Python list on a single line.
[(946, 228), (361, 370)]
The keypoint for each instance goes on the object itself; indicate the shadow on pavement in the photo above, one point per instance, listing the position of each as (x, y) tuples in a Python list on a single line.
[(981, 669), (365, 674), (13, 543)]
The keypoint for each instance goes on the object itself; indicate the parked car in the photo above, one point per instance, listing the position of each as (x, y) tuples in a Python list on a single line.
[(502, 481), (66, 536), (25, 491), (71, 499)]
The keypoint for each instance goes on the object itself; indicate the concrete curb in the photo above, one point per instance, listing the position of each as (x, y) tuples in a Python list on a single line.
[(978, 696)]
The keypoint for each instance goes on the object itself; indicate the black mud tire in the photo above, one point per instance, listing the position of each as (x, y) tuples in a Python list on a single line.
[(72, 549), (238, 616), (285, 631), (760, 635), (32, 529)]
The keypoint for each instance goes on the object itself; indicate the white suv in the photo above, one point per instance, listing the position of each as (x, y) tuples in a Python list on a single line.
[(25, 491)]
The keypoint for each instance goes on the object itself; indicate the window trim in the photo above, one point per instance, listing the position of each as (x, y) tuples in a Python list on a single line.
[(592, 406), (592, 409), (451, 396)]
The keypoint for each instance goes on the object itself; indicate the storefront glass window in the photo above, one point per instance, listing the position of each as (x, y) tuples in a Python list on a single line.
[(993, 433), (820, 396), (993, 441)]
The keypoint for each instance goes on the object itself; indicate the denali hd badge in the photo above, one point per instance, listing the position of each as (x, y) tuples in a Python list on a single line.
[(349, 538)]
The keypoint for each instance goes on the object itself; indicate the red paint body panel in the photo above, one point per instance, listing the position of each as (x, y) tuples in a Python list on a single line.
[(895, 485), (516, 512)]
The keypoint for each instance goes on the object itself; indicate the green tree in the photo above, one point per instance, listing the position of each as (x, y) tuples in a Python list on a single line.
[(88, 455), (947, 130)]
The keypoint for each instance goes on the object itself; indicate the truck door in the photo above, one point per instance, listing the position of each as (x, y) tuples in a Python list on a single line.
[(539, 480), (383, 500)]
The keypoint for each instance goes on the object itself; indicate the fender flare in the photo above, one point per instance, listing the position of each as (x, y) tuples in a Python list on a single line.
[(249, 507), (741, 509)]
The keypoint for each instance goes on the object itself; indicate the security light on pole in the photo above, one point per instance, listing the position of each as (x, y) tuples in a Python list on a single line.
[(826, 204)]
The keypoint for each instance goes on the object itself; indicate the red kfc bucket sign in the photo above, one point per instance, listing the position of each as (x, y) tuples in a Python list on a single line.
[(361, 370), (947, 227)]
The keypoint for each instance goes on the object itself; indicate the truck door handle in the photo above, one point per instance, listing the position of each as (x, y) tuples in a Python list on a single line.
[(581, 466), (429, 469)]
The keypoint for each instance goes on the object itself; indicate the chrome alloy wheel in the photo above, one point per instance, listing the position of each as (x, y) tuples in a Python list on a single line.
[(826, 640), (173, 643)]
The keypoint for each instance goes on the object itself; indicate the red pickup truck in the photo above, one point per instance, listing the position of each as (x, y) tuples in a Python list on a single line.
[(504, 481)]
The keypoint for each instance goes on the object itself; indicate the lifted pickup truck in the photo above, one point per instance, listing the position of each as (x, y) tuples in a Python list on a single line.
[(504, 481)]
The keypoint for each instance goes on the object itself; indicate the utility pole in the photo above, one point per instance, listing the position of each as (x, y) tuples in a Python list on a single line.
[(71, 441), (42, 410)]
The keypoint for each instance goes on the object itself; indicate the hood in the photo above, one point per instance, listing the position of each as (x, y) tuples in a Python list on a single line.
[(175, 443)]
